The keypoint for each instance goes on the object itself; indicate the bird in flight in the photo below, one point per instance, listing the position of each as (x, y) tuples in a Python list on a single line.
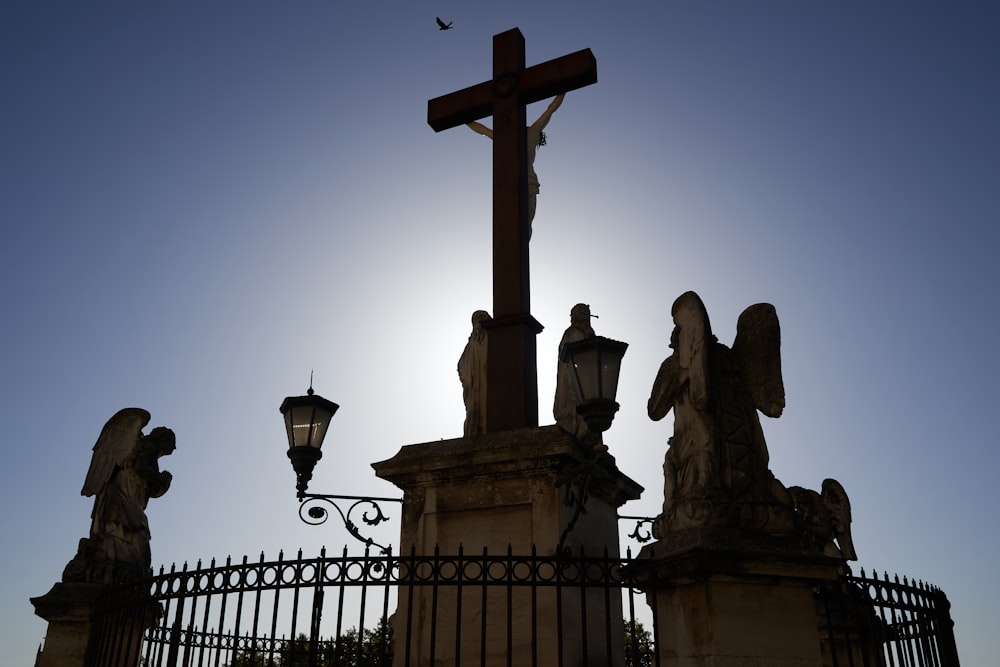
[(442, 25)]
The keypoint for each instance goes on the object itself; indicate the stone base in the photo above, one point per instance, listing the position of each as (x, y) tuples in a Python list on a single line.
[(492, 492), (501, 489), (68, 608), (732, 607)]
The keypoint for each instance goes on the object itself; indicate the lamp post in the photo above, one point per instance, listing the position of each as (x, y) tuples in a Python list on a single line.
[(307, 419), (596, 363)]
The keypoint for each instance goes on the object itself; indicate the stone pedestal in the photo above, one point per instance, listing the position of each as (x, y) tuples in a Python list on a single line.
[(736, 606), (71, 640), (68, 608), (492, 492)]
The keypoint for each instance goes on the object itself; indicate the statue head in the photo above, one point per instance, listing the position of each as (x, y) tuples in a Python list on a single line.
[(480, 317), (163, 439), (579, 316), (690, 319)]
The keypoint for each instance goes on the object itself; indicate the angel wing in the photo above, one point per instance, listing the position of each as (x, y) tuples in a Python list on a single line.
[(837, 502), (757, 349), (665, 388), (116, 442), (694, 335)]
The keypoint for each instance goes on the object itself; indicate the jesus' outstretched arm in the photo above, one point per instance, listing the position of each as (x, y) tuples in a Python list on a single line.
[(543, 120), (481, 129)]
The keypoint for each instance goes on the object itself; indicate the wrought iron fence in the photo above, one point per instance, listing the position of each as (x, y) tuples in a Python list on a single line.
[(473, 609), (872, 621), (463, 609)]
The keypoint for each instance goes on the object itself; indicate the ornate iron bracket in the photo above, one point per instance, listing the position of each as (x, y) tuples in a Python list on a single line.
[(313, 512), (576, 493), (640, 534)]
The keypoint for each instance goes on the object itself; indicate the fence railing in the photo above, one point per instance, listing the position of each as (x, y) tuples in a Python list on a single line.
[(883, 622), (463, 609)]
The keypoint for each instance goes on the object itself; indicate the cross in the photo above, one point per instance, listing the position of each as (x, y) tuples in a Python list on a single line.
[(511, 371)]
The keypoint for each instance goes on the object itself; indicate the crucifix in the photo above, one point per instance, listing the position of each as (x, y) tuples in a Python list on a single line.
[(511, 366)]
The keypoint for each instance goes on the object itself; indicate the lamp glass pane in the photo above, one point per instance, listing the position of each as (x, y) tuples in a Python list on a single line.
[(586, 360), (320, 422), (307, 423), (611, 362)]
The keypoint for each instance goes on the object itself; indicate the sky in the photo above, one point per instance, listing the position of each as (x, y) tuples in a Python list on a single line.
[(203, 203)]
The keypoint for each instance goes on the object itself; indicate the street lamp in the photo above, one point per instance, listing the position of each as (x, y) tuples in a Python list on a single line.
[(596, 363), (306, 420)]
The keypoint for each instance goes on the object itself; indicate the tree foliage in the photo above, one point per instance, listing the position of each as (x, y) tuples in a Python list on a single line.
[(369, 648), (638, 645)]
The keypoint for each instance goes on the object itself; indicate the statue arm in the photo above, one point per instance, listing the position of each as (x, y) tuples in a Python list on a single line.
[(543, 120), (481, 129)]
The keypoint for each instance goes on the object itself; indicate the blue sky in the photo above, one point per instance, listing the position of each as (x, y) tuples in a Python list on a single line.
[(203, 202)]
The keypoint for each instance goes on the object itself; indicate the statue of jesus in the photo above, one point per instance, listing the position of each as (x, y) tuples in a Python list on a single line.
[(536, 138)]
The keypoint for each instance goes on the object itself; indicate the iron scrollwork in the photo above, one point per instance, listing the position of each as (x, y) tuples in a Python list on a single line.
[(643, 531), (313, 511)]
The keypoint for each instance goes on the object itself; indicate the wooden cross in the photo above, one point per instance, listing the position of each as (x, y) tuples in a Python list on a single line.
[(512, 372)]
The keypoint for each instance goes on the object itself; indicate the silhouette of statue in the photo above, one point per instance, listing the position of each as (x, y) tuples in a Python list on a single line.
[(472, 373), (124, 474), (536, 138), (716, 467), (826, 518), (564, 406)]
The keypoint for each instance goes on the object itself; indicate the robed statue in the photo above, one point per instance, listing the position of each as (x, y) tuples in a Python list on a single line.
[(472, 374), (716, 471), (124, 474), (566, 399)]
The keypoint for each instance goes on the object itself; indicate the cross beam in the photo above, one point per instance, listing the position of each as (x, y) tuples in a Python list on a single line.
[(512, 369)]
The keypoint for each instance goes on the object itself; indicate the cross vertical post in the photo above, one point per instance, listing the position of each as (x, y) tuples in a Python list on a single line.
[(511, 366)]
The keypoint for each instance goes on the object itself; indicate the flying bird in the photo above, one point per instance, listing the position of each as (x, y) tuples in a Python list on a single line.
[(442, 25)]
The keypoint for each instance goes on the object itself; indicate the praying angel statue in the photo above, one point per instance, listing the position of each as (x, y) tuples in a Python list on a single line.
[(536, 138), (124, 474)]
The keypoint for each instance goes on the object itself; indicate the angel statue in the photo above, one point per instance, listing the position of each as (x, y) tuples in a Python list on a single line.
[(124, 474), (716, 468), (826, 518)]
